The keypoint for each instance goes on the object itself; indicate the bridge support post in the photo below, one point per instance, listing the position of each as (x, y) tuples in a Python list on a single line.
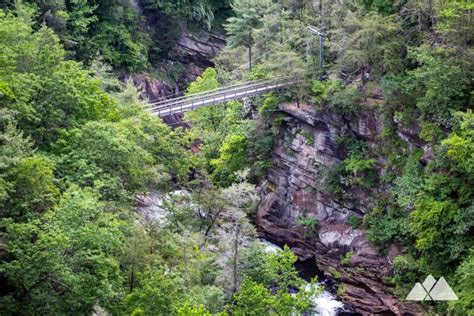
[(313, 31)]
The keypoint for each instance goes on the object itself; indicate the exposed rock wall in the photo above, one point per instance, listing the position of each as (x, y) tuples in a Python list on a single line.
[(306, 145), (195, 51), (191, 55)]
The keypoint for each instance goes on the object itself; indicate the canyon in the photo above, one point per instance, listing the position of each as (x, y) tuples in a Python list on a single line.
[(290, 191)]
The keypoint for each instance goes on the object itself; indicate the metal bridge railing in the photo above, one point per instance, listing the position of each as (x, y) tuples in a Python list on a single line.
[(217, 96), (165, 100), (206, 96)]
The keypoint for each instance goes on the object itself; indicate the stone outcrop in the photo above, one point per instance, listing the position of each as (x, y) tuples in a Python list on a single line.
[(187, 59), (191, 55), (307, 144), (195, 51)]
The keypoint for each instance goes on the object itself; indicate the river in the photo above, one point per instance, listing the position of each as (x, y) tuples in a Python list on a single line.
[(326, 303)]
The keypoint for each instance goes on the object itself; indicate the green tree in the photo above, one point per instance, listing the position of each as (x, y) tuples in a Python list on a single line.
[(370, 44), (220, 128), (205, 118), (158, 294), (255, 264), (281, 264), (439, 87), (203, 12), (232, 158), (464, 287), (66, 261), (252, 299), (106, 155), (14, 147), (241, 27), (460, 145), (33, 190), (46, 92), (187, 310), (384, 7)]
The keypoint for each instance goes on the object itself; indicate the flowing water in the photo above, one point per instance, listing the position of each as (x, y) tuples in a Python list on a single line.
[(326, 303)]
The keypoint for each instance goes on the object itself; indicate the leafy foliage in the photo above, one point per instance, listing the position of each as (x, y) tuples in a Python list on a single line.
[(464, 287), (201, 11), (72, 157), (159, 293), (459, 145), (370, 42), (255, 298), (346, 260), (65, 259), (77, 151), (439, 88)]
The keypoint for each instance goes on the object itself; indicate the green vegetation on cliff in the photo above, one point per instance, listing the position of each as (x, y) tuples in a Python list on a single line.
[(126, 34), (409, 63), (78, 152)]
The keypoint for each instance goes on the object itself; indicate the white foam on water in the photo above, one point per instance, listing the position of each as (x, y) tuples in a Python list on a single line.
[(326, 303), (270, 247)]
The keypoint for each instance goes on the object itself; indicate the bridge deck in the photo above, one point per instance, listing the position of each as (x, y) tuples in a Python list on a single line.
[(192, 102)]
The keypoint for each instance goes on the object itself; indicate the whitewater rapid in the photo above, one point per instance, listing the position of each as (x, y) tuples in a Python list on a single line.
[(326, 303)]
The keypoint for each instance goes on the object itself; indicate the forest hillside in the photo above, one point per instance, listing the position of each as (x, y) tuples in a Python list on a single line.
[(107, 209)]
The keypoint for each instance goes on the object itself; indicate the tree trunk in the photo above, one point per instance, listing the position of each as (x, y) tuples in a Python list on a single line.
[(280, 24), (363, 82), (250, 58), (186, 268), (213, 221), (321, 26), (235, 259), (420, 26), (432, 16), (132, 280), (467, 29)]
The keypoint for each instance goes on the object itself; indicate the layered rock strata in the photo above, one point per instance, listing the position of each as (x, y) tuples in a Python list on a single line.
[(307, 145)]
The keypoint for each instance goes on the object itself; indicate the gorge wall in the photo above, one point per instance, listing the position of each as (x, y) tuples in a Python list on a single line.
[(187, 59), (291, 191), (307, 144)]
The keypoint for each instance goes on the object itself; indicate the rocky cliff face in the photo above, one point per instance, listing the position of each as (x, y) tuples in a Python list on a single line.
[(188, 59), (190, 56), (307, 144)]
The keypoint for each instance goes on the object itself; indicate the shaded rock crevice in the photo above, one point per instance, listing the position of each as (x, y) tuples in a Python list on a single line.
[(187, 59)]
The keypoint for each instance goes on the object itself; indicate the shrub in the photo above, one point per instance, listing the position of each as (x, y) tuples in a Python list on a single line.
[(406, 273), (387, 224), (346, 259), (334, 273), (341, 290), (308, 223), (355, 221), (320, 91), (308, 136)]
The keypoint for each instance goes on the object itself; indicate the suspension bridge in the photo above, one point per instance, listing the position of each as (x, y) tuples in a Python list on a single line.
[(225, 94), (181, 104)]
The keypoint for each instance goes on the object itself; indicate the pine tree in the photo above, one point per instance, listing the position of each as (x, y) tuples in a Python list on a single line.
[(241, 27)]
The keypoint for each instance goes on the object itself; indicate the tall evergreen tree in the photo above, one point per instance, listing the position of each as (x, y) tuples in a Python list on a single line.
[(241, 27)]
